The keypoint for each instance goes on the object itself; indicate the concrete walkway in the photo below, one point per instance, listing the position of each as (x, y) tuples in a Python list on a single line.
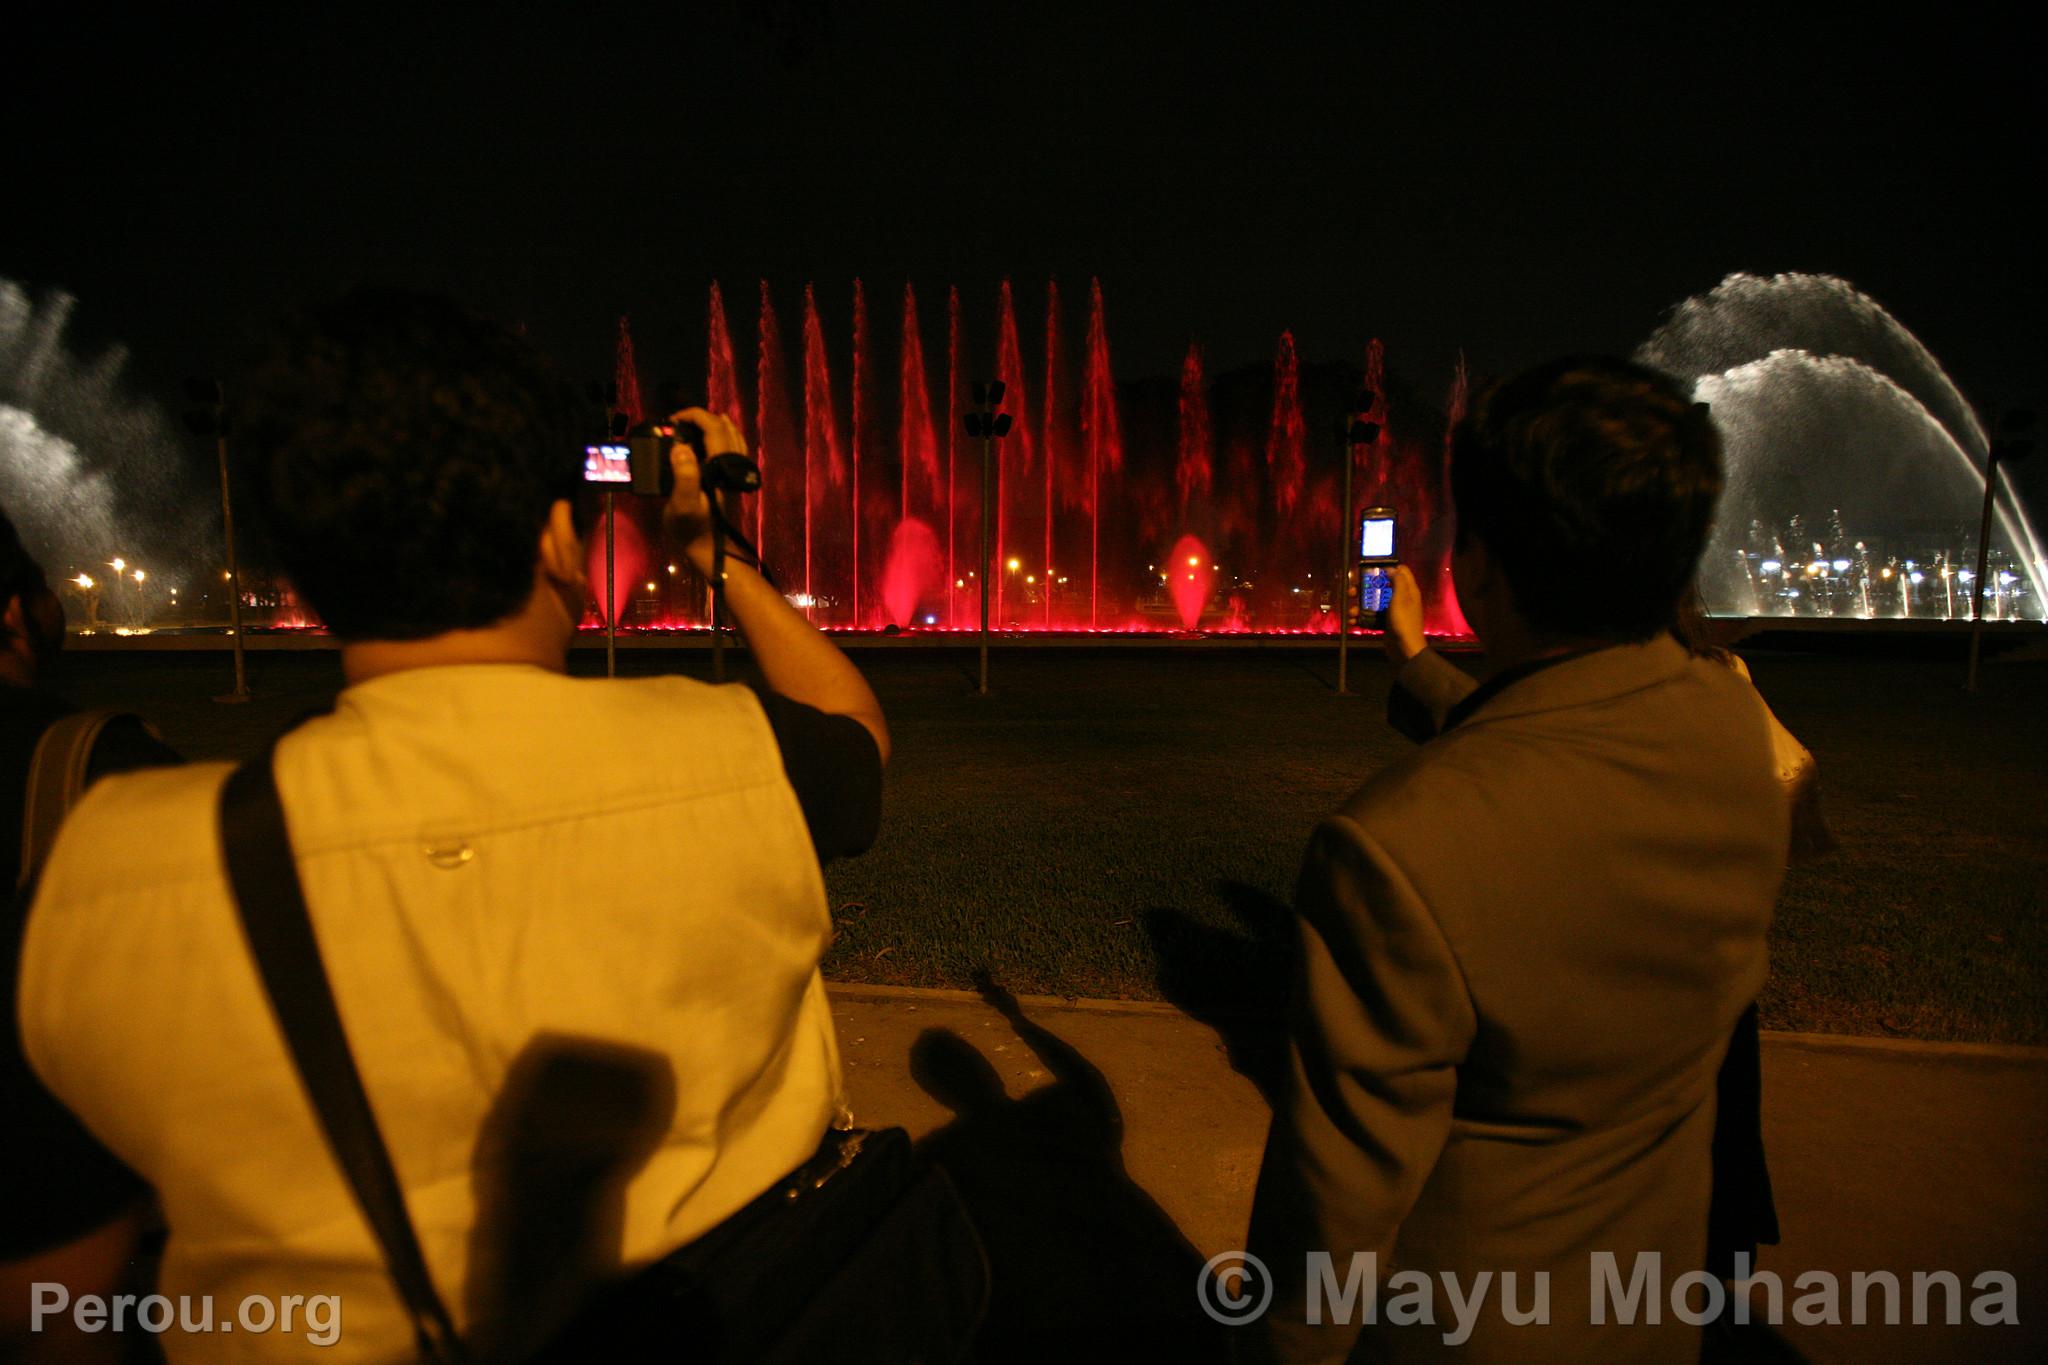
[(1125, 1135)]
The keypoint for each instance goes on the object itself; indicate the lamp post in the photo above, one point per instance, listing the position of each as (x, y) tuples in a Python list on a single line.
[(2010, 442), (989, 425), (211, 419)]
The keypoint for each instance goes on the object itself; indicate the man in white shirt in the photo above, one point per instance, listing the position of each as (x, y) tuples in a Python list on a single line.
[(573, 925)]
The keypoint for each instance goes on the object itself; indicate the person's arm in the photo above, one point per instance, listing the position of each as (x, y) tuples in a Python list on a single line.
[(1426, 684), (1380, 1022), (794, 656)]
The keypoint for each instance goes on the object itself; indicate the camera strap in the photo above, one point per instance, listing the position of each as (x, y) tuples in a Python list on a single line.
[(272, 906)]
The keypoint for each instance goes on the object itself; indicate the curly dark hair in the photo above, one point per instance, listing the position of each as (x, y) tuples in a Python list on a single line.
[(403, 453), (20, 575), (1589, 471)]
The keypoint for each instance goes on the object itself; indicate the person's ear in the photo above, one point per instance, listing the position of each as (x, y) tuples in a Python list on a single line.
[(561, 549), (14, 620)]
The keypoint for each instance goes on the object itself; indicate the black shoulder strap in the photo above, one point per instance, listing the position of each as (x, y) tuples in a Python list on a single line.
[(273, 912)]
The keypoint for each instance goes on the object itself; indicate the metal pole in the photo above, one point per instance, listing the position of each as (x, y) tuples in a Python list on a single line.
[(988, 446), (1983, 553), (1344, 573), (227, 517), (611, 615)]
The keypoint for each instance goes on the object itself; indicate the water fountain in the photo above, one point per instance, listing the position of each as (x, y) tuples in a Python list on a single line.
[(1855, 467), (869, 532), (91, 474)]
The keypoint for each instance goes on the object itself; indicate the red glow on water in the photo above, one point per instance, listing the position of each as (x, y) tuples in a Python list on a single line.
[(911, 577), (1192, 579)]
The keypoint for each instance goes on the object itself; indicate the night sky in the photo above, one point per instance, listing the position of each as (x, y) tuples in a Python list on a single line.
[(1438, 175)]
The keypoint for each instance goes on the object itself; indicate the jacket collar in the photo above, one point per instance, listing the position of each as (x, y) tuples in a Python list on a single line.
[(1574, 680)]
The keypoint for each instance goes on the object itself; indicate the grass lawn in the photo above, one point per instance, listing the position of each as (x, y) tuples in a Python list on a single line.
[(1129, 823)]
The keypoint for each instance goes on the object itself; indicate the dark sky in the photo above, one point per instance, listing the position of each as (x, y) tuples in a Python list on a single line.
[(1439, 175)]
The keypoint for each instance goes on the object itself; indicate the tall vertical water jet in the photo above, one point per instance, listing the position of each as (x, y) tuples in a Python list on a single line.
[(721, 378), (1287, 475), (1440, 598), (1014, 459), (955, 414), (778, 507), (858, 431), (917, 442), (1102, 436), (1194, 471), (1049, 437), (824, 460), (626, 376)]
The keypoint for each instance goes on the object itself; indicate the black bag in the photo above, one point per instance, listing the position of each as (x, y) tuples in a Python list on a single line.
[(862, 1254)]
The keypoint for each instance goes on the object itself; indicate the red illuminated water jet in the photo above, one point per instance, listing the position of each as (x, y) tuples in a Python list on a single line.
[(630, 561), (776, 448), (1014, 460), (1049, 442), (954, 411), (911, 576), (626, 376), (1192, 579), (858, 434), (1194, 469), (824, 459), (1102, 436), (722, 379)]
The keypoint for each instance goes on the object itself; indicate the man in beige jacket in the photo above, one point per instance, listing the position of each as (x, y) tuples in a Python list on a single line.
[(1523, 948)]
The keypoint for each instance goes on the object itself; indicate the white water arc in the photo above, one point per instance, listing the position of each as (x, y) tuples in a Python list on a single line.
[(1826, 402), (88, 471)]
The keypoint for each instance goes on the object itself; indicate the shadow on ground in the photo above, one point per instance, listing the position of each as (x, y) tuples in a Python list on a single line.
[(1234, 980), (1083, 1262)]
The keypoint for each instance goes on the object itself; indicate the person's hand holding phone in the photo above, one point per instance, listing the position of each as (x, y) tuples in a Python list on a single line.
[(1404, 639)]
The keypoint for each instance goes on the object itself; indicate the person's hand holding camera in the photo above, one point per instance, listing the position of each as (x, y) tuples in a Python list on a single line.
[(688, 511), (1404, 639)]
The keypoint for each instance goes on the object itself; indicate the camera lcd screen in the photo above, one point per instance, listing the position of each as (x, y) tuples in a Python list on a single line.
[(1376, 538), (608, 463)]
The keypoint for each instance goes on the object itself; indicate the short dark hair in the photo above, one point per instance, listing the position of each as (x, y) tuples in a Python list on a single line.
[(1589, 470), (20, 575), (403, 453)]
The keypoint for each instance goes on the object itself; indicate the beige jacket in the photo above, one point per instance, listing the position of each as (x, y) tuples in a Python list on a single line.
[(573, 927), (1522, 952)]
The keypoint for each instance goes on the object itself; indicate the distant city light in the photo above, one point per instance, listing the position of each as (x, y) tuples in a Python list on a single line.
[(117, 564), (1015, 564), (140, 575), (1916, 577), (83, 581), (1842, 566), (1770, 566)]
